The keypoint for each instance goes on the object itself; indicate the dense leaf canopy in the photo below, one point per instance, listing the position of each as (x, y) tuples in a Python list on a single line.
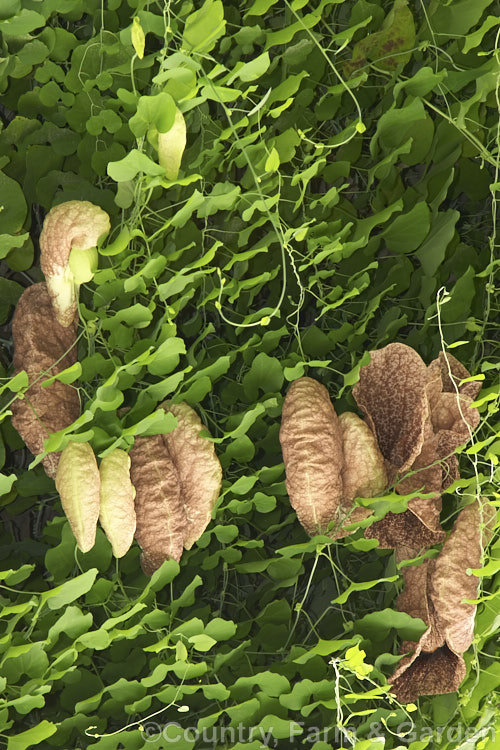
[(290, 185)]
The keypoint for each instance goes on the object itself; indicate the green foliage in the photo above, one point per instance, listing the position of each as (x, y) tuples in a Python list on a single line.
[(337, 192)]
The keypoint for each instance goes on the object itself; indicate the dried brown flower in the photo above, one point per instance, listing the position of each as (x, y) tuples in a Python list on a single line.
[(434, 591), (431, 422), (74, 224), (160, 515), (198, 469), (42, 347), (311, 441)]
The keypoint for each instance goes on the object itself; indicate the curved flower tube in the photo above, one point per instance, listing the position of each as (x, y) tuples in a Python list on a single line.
[(74, 224)]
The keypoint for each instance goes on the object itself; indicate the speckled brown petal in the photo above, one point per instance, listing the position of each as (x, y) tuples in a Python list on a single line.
[(452, 412), (77, 481), (391, 391), (414, 598), (415, 601), (449, 582), (117, 510), (450, 471), (434, 592), (198, 469), (311, 442), (416, 532), (160, 515), (43, 348), (434, 384), (418, 527), (423, 673), (449, 364), (425, 473)]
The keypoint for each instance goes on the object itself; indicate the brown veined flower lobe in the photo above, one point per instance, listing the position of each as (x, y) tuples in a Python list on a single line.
[(391, 392), (74, 224), (450, 583), (78, 484), (42, 347), (311, 442), (160, 515), (435, 591), (117, 509), (198, 469)]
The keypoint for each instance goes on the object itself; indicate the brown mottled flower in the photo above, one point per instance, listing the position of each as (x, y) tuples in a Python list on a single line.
[(198, 469), (42, 347), (311, 441), (436, 592)]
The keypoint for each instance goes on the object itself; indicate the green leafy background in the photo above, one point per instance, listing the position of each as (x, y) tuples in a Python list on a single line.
[(337, 193)]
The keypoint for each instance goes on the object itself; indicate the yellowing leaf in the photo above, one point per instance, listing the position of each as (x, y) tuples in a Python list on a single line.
[(272, 161), (138, 38), (117, 511), (171, 146), (78, 483)]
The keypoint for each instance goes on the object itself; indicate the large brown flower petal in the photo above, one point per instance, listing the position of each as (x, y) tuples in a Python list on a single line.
[(160, 515), (450, 583), (42, 347), (415, 601), (198, 469), (416, 529), (311, 442), (391, 391), (435, 592), (426, 473), (423, 673)]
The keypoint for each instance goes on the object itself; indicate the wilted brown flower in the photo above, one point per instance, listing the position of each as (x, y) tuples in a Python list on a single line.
[(42, 347), (329, 461), (74, 224), (160, 515), (431, 422), (311, 441), (198, 469), (435, 592)]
